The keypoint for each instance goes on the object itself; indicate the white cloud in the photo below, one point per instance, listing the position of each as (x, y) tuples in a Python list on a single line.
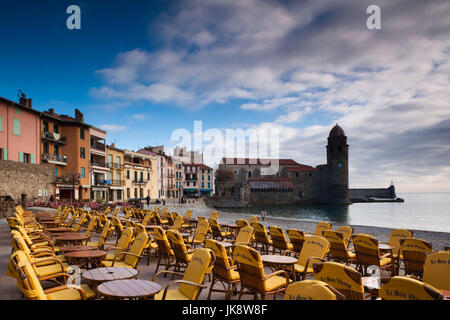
[(112, 127), (139, 116)]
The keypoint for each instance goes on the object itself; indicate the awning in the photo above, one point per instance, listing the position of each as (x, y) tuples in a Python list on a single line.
[(191, 190)]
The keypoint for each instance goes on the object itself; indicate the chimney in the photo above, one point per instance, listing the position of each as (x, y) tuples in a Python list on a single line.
[(26, 102), (79, 116), (51, 110)]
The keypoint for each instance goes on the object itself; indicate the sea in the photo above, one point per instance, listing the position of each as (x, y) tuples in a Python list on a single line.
[(420, 211)]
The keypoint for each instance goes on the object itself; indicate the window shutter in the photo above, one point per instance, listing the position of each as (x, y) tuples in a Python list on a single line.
[(32, 158), (16, 127), (20, 156), (5, 154)]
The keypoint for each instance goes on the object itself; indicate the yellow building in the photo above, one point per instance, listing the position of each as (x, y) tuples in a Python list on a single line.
[(116, 176), (140, 171)]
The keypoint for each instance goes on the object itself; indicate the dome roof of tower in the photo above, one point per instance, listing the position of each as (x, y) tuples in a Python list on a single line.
[(336, 131)]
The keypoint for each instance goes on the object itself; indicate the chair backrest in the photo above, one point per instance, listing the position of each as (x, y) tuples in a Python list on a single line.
[(311, 290), (214, 215), (177, 223), (116, 224), (321, 227), (244, 236), (261, 235), (314, 246), (396, 235), (347, 232), (27, 280), (252, 219), (215, 227), (125, 238), (201, 230), (162, 242), (297, 239), (115, 212), (147, 218), (436, 270), (137, 247), (105, 231), (250, 267), (414, 252), (188, 215), (139, 228), (222, 264), (18, 242), (177, 243), (338, 247), (344, 279), (278, 237), (241, 223), (405, 288), (201, 261), (366, 249)]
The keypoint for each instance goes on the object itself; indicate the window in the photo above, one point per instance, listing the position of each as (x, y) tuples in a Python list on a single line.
[(119, 194), (135, 193), (3, 154), (56, 172), (203, 177), (209, 185), (188, 183), (203, 185), (142, 176), (296, 174), (17, 110), (81, 133), (118, 177), (135, 176), (56, 128), (128, 174), (45, 126), (56, 151), (340, 165), (148, 176), (1, 123), (82, 172), (117, 162), (128, 193), (249, 174), (45, 148), (82, 153), (110, 175), (16, 127), (203, 170), (209, 178)]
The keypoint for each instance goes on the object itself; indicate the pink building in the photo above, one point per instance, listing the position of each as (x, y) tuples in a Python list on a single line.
[(19, 131)]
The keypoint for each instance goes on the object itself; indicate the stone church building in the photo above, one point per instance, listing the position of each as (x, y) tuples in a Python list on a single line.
[(284, 181)]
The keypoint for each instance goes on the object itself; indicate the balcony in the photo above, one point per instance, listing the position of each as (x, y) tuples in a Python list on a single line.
[(67, 180), (98, 164), (116, 182), (55, 159), (191, 177), (53, 137), (98, 146), (114, 165), (140, 181)]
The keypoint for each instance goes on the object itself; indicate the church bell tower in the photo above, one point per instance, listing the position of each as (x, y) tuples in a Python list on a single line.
[(337, 167)]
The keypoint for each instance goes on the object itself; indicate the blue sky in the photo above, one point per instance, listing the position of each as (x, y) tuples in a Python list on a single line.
[(146, 68)]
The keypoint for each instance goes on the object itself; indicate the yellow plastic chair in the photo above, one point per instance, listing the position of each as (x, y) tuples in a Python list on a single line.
[(312, 290), (214, 215), (405, 288), (347, 232), (315, 248), (102, 237), (124, 242), (224, 271), (190, 285), (177, 224), (164, 250), (320, 228), (368, 254), (338, 247), (240, 223), (261, 237), (414, 252), (130, 258), (394, 241), (436, 270), (217, 232), (183, 253), (297, 238), (252, 219), (279, 242), (31, 287), (344, 279), (253, 277), (200, 234)]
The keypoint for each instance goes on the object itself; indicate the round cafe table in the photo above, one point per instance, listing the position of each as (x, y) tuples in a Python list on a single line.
[(99, 275), (132, 289), (59, 230), (373, 284), (278, 262), (70, 240), (77, 248), (88, 259), (385, 247)]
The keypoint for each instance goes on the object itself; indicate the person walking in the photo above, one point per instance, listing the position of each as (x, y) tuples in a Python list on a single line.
[(263, 214), (148, 201)]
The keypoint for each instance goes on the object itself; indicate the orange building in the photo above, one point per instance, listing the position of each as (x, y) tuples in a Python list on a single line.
[(65, 143)]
